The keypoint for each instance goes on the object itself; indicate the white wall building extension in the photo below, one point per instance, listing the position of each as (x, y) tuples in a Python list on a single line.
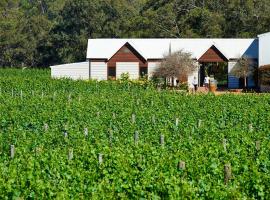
[(264, 49), (127, 67), (74, 71)]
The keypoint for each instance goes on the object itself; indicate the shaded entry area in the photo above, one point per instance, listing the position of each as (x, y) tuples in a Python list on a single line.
[(215, 65), (218, 71)]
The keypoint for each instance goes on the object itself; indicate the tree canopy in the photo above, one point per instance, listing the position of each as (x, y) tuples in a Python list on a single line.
[(39, 33)]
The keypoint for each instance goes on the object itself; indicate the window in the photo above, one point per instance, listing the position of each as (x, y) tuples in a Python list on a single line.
[(111, 73), (143, 71)]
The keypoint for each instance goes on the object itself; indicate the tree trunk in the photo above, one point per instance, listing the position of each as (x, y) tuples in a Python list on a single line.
[(245, 82)]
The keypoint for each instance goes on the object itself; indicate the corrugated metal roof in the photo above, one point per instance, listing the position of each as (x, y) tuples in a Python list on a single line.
[(156, 48), (264, 34), (78, 64)]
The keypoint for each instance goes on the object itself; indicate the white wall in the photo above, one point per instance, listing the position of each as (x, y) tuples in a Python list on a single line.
[(264, 49), (99, 70), (72, 70), (152, 67), (127, 67)]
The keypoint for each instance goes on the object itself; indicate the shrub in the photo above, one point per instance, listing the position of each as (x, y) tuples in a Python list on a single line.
[(183, 86), (264, 74), (124, 77)]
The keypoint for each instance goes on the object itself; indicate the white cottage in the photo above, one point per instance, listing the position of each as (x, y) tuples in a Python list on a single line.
[(109, 58)]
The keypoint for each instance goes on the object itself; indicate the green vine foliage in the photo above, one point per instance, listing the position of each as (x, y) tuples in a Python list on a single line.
[(112, 112)]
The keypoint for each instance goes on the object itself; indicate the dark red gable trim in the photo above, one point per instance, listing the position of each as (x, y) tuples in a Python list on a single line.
[(127, 54), (213, 55)]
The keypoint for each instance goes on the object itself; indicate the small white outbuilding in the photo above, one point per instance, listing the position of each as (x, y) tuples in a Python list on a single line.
[(74, 71)]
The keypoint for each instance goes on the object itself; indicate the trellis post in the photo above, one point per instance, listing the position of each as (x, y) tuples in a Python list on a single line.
[(227, 173), (70, 154), (162, 140), (181, 165), (12, 151), (100, 158)]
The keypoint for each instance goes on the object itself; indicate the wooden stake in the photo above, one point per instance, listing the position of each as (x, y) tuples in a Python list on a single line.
[(69, 97), (85, 132), (46, 127), (162, 140), (12, 93), (133, 119), (42, 94), (111, 137), (12, 151), (199, 123), (33, 93), (21, 94), (100, 158), (182, 165), (227, 173), (224, 144), (153, 119), (250, 128), (114, 116), (258, 145), (136, 137), (70, 154), (176, 122), (54, 96), (65, 134)]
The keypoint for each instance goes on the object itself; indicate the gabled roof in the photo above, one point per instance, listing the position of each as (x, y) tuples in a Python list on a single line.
[(156, 48), (218, 48), (131, 48)]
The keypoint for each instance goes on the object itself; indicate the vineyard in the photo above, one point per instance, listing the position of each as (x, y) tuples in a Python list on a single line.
[(68, 139)]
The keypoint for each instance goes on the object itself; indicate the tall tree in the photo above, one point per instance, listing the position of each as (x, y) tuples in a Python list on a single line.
[(41, 33)]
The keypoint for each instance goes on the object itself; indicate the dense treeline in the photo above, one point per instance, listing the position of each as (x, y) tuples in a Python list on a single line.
[(45, 32)]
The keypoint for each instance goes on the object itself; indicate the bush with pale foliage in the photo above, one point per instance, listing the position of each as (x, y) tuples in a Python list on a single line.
[(176, 65)]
